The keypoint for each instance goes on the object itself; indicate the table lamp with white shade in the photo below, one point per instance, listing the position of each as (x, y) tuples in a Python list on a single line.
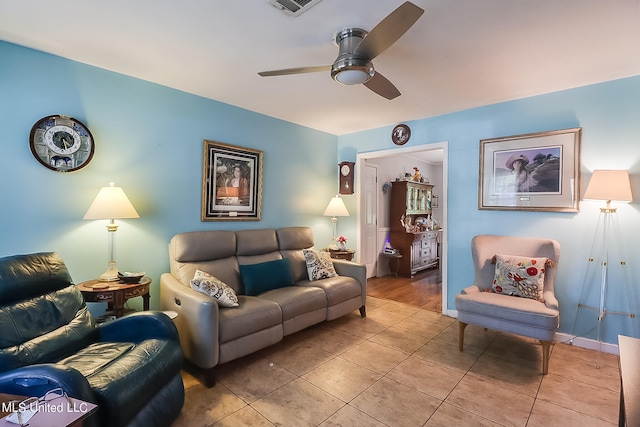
[(335, 208), (111, 203)]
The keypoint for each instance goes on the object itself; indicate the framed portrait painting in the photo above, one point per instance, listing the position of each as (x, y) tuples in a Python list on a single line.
[(231, 183), (532, 172)]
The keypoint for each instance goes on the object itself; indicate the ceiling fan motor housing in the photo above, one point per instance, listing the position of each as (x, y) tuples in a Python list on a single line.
[(350, 68)]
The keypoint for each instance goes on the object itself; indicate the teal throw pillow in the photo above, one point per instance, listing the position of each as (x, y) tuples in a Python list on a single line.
[(263, 277)]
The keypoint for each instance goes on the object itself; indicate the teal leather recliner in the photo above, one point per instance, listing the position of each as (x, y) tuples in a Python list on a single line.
[(129, 367)]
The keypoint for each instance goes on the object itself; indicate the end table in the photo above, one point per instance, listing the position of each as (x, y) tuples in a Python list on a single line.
[(338, 254), (115, 294), (393, 269)]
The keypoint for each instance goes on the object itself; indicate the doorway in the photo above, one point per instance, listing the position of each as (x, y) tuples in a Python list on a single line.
[(423, 290), (364, 233)]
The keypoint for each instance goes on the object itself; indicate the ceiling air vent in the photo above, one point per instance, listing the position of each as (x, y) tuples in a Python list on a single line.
[(294, 7)]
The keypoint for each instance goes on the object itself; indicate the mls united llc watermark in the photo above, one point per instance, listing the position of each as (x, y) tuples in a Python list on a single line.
[(33, 406)]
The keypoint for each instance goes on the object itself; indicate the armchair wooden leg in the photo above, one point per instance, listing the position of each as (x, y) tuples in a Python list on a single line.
[(363, 311), (546, 350), (461, 326)]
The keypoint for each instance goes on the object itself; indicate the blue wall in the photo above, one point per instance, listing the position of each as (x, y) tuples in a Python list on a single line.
[(149, 140), (609, 115)]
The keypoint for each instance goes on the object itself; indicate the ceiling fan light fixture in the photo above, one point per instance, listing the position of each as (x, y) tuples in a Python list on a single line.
[(357, 48), (352, 77), (352, 71)]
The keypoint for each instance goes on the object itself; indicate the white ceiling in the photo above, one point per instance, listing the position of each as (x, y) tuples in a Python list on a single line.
[(460, 54)]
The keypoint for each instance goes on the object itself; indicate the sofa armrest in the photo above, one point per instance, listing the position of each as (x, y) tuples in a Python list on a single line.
[(197, 320), (138, 327), (473, 289), (355, 270), (36, 380)]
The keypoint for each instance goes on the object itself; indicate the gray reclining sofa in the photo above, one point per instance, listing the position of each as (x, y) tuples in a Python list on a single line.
[(211, 335)]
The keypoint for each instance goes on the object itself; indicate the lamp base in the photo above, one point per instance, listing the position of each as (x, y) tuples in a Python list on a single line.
[(111, 275)]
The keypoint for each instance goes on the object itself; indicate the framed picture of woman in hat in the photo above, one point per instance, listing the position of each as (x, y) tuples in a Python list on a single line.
[(537, 171)]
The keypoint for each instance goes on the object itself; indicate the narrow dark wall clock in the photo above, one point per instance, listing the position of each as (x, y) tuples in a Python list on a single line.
[(61, 143), (346, 177), (400, 134)]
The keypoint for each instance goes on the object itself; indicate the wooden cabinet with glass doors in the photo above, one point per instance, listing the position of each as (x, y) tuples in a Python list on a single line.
[(409, 231)]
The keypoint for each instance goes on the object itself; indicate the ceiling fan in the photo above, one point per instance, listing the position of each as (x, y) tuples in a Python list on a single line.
[(357, 48)]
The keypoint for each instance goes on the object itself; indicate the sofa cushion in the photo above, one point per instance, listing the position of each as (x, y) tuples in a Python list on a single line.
[(519, 276), (18, 272), (319, 264), (253, 314), (525, 311), (265, 276), (297, 300), (44, 328), (199, 246), (211, 286), (291, 241), (256, 242), (292, 238), (338, 289), (225, 269), (126, 376), (298, 264)]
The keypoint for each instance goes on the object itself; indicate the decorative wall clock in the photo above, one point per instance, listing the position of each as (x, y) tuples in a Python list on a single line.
[(346, 177), (400, 134), (61, 143)]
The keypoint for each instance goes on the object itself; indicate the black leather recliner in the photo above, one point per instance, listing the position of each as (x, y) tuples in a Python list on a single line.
[(129, 367)]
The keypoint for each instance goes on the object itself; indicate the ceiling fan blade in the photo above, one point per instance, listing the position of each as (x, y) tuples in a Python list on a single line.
[(299, 70), (383, 87), (389, 30)]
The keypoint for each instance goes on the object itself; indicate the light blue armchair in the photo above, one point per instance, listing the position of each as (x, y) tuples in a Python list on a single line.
[(534, 318)]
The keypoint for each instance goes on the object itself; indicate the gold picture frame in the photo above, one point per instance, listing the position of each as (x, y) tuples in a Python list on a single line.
[(531, 172), (231, 182)]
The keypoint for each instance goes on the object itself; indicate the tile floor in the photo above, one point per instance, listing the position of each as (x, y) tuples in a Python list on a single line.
[(400, 366)]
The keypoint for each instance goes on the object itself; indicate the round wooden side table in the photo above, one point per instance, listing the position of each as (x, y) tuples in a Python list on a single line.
[(346, 254), (116, 294)]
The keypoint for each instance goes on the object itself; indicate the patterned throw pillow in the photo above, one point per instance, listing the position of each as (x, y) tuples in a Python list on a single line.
[(519, 276), (319, 264), (209, 285)]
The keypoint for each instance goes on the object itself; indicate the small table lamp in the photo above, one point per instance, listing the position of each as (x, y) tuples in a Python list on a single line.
[(111, 203), (335, 209)]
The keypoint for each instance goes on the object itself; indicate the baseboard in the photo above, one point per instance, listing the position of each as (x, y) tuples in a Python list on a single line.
[(562, 337), (586, 343)]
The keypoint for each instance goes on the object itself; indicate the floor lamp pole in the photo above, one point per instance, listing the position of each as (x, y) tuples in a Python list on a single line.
[(607, 222)]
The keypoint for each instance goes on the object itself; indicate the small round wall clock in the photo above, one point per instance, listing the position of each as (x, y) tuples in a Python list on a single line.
[(61, 143), (400, 134)]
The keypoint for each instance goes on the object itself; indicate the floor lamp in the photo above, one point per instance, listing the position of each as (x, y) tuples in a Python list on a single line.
[(609, 185), (335, 208), (111, 203)]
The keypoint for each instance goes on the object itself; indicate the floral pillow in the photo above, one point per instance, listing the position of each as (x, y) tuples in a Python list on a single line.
[(319, 264), (209, 285), (520, 276)]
